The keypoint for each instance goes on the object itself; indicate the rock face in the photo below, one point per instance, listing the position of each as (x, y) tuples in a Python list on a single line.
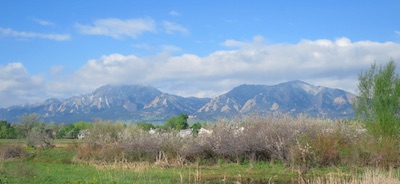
[(145, 103), (295, 97)]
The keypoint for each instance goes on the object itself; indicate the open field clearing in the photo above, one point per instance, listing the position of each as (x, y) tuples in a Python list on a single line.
[(59, 165)]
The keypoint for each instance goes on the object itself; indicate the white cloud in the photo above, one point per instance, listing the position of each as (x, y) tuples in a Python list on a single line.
[(56, 71), (232, 43), (171, 27), (170, 48), (110, 69), (332, 63), (397, 32), (7, 32), (18, 86), (118, 28), (257, 41), (174, 13), (43, 22)]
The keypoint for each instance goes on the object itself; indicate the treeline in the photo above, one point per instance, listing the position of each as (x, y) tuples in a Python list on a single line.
[(30, 123)]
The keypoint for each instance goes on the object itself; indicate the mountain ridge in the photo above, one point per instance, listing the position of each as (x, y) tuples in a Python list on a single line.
[(146, 103)]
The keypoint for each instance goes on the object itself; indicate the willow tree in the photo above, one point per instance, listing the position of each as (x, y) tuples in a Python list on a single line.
[(378, 101)]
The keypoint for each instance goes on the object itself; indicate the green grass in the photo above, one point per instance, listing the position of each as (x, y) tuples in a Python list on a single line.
[(57, 165), (10, 141), (39, 172)]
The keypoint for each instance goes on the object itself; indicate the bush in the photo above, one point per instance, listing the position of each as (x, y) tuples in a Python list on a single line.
[(145, 126), (13, 151), (297, 141), (105, 132)]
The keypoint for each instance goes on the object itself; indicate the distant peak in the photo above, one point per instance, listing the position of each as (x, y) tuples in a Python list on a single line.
[(297, 82), (123, 88)]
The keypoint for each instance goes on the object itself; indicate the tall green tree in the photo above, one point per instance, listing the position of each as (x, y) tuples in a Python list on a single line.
[(177, 122), (378, 101)]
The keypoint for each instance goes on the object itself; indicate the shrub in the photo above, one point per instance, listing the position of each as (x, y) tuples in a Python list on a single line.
[(13, 151), (104, 132), (379, 100), (145, 126), (384, 152), (301, 142)]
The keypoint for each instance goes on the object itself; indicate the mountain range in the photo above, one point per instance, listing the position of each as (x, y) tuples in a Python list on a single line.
[(148, 104)]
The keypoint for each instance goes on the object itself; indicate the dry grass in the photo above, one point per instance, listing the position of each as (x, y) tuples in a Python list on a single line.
[(301, 142), (12, 151), (369, 177), (137, 167)]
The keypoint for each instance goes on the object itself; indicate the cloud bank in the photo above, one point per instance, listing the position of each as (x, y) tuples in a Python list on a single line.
[(332, 63), (18, 86)]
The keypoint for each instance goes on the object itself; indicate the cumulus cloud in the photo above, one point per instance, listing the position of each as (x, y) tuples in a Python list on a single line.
[(8, 32), (171, 27), (18, 86), (332, 63), (323, 62), (118, 28)]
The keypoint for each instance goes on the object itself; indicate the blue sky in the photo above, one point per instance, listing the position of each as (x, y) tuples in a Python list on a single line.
[(190, 48)]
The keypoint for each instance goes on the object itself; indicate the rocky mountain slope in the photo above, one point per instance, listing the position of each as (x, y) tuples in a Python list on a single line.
[(133, 102), (295, 97), (146, 103)]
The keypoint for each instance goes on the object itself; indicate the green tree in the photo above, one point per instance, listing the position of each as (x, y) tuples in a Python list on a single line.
[(378, 102), (196, 127), (34, 131), (72, 130), (177, 122), (26, 124), (81, 125), (7, 131), (145, 126)]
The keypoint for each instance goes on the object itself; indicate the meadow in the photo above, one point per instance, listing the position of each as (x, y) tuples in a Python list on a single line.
[(248, 150)]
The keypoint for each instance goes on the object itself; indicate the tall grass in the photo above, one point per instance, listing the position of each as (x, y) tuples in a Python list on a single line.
[(368, 177)]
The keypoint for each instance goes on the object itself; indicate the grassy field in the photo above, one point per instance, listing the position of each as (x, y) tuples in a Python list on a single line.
[(57, 165)]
